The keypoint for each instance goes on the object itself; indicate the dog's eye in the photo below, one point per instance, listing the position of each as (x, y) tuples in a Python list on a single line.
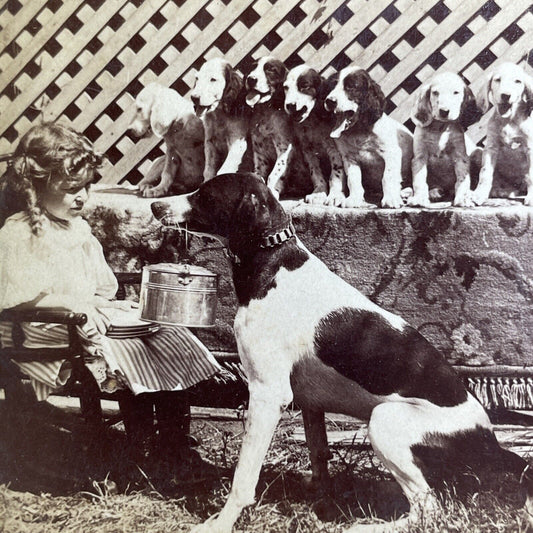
[(456, 93), (518, 81), (497, 80), (213, 80), (435, 93)]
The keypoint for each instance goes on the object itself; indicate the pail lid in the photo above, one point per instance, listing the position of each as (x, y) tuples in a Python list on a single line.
[(179, 268)]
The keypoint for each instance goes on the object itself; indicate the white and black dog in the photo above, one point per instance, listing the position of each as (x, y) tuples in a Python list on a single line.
[(305, 334)]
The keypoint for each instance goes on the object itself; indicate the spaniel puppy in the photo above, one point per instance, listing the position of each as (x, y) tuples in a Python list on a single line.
[(218, 98), (277, 156), (304, 102), (443, 154), (168, 115), (376, 150), (508, 154)]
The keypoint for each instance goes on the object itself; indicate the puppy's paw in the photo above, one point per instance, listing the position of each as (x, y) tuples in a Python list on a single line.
[(464, 201), (355, 201), (335, 199), (316, 198), (418, 201), (392, 201), (154, 192)]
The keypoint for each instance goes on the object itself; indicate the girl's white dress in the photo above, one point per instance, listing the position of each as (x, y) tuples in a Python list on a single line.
[(70, 261)]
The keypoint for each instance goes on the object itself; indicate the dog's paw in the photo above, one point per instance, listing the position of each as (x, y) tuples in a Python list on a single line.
[(154, 192), (418, 201), (355, 201), (464, 201), (335, 199), (316, 198), (392, 201), (211, 525)]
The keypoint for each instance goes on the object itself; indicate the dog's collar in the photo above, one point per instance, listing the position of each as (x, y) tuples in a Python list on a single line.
[(270, 241), (278, 238)]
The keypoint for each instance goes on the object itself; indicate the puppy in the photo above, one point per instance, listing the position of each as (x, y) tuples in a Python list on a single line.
[(277, 156), (168, 115), (508, 154), (219, 100), (443, 154), (305, 334), (304, 102), (376, 150)]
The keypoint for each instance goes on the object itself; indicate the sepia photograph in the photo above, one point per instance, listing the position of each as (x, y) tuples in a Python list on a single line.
[(266, 266)]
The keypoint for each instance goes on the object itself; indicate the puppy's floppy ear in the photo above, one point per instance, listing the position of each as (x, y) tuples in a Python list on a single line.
[(276, 74), (421, 112), (528, 93), (375, 101), (484, 96), (470, 112), (234, 85), (165, 111)]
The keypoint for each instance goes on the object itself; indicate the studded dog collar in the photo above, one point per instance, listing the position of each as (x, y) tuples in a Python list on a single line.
[(278, 238)]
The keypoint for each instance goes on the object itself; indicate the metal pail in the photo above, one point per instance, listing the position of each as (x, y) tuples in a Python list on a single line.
[(180, 295)]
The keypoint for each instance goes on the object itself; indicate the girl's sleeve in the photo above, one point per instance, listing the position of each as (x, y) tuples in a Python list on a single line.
[(23, 275), (106, 282)]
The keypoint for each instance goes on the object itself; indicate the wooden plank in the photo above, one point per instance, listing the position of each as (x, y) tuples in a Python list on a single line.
[(147, 53), (20, 21), (472, 48), (37, 43), (63, 58), (367, 14), (270, 19), (434, 40), (112, 47)]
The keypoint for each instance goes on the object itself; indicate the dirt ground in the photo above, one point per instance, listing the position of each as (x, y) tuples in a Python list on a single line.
[(54, 476)]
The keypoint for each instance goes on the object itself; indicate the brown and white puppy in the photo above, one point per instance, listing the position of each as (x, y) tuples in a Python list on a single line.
[(443, 153), (508, 155), (304, 102), (376, 150), (166, 114), (218, 97), (276, 153)]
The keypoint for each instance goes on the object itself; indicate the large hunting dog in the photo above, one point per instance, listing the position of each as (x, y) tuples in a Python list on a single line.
[(305, 334)]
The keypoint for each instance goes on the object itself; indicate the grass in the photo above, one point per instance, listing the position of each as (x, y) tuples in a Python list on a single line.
[(49, 485)]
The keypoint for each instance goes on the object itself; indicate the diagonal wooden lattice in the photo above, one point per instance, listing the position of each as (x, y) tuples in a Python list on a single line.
[(83, 62)]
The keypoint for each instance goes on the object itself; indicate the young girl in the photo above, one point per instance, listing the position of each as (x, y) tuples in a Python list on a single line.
[(49, 258)]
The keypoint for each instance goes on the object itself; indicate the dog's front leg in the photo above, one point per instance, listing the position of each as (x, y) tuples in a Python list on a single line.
[(463, 195), (486, 174), (234, 158), (420, 183), (264, 412), (274, 181), (154, 174), (392, 178), (354, 178)]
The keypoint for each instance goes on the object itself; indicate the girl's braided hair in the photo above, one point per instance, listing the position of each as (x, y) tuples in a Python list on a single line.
[(47, 156)]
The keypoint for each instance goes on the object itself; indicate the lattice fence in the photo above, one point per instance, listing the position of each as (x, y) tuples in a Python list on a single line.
[(85, 61)]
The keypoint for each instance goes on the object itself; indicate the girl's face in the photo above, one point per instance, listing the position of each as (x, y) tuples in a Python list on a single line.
[(66, 201)]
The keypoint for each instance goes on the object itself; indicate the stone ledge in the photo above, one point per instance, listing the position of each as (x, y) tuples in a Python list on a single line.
[(463, 277)]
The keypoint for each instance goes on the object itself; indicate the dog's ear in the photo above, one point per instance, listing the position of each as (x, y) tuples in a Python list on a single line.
[(528, 93), (165, 111), (234, 86), (249, 219), (484, 97), (421, 112), (470, 112), (374, 102), (276, 74)]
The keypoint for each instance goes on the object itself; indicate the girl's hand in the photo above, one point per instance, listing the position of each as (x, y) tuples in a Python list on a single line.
[(94, 317)]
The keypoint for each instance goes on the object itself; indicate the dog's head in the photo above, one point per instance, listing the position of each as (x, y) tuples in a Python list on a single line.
[(356, 100), (157, 109), (303, 92), (509, 88), (217, 86), (238, 209), (446, 98), (265, 82)]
